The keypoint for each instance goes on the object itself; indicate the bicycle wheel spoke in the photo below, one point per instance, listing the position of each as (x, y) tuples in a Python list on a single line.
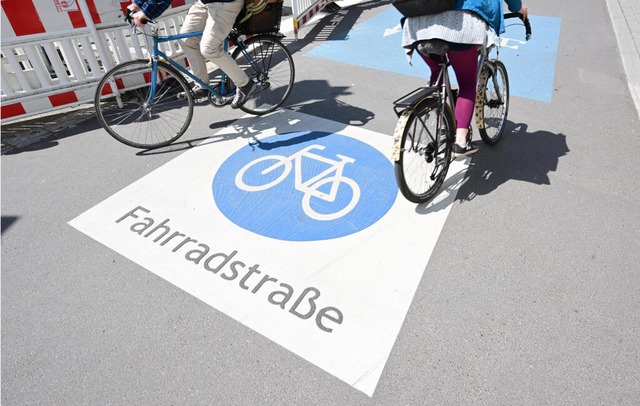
[(131, 117), (493, 105), (270, 65), (425, 153)]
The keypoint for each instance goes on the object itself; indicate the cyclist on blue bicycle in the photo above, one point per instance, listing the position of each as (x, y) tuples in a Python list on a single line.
[(215, 18), (459, 33)]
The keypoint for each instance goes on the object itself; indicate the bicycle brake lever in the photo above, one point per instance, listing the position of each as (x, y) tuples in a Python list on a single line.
[(527, 27)]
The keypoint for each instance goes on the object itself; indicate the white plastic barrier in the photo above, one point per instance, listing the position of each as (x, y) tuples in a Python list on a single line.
[(53, 56), (55, 51), (304, 10)]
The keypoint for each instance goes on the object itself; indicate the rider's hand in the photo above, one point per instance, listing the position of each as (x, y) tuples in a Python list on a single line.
[(524, 11), (140, 18)]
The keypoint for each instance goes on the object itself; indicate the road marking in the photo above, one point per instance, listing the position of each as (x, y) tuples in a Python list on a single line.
[(338, 301), (391, 31), (334, 185), (377, 44)]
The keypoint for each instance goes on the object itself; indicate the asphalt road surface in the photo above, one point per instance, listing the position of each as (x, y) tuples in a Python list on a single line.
[(519, 285)]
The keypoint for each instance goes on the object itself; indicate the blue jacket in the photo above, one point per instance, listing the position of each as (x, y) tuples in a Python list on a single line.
[(154, 8), (490, 10)]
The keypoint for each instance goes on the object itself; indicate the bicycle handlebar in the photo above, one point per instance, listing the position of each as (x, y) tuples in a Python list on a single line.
[(527, 25), (129, 19)]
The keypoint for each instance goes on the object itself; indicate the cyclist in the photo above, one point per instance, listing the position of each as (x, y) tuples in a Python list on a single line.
[(215, 18), (459, 33)]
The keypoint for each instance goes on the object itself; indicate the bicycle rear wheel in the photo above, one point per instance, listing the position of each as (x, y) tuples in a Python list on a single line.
[(492, 102), (270, 64), (124, 109), (424, 150)]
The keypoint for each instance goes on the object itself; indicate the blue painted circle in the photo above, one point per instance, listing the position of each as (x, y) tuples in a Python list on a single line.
[(289, 186)]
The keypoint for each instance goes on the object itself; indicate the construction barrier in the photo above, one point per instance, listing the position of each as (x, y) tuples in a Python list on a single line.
[(55, 51), (303, 10)]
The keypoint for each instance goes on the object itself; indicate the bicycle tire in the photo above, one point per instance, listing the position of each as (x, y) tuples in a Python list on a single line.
[(124, 114), (422, 155), (491, 110), (275, 76)]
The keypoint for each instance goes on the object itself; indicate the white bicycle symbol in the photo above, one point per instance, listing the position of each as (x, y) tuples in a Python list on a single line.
[(310, 187)]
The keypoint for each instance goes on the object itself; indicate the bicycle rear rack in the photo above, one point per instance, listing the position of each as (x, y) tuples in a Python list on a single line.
[(413, 98)]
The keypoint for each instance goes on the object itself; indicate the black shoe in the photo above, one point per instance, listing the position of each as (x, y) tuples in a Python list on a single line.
[(470, 149), (242, 94), (197, 91)]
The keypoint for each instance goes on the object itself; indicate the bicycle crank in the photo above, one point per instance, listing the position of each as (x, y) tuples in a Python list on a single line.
[(219, 101)]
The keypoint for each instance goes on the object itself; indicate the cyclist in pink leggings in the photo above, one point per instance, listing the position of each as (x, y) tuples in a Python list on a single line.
[(459, 32)]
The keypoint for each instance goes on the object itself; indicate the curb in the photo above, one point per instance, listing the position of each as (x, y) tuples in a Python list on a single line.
[(627, 44)]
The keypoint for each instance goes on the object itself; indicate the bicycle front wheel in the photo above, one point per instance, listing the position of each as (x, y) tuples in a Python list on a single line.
[(492, 102), (127, 110), (424, 151), (270, 64)]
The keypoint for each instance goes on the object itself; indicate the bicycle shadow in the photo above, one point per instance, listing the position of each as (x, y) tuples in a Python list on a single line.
[(449, 189), (297, 137), (520, 155), (324, 104)]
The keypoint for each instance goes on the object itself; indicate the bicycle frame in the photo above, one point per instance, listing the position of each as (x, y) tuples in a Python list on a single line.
[(445, 89), (156, 54), (444, 78)]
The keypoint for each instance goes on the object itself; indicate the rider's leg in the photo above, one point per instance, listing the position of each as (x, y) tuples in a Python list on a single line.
[(195, 20), (465, 64), (222, 16), (434, 66)]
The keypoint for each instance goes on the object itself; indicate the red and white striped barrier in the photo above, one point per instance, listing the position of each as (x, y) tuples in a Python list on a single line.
[(54, 51), (304, 10)]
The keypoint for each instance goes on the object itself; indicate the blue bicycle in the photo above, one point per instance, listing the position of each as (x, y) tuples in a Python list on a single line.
[(147, 103)]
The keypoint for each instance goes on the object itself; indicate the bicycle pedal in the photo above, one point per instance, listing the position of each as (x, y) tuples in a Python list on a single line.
[(217, 101)]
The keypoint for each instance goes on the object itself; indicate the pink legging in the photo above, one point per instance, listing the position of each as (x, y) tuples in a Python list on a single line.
[(465, 65)]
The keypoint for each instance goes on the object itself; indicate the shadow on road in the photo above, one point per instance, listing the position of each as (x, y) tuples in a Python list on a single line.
[(320, 101), (520, 155), (46, 131)]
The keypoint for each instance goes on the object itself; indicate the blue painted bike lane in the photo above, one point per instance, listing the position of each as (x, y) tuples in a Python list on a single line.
[(376, 44)]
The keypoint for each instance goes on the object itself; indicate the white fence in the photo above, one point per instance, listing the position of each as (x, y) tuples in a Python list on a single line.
[(60, 68), (304, 10), (49, 71)]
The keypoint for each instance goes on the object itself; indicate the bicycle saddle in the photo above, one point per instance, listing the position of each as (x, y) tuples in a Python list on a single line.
[(433, 46)]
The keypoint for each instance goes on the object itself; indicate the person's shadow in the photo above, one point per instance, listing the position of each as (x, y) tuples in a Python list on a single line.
[(519, 155), (323, 103)]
